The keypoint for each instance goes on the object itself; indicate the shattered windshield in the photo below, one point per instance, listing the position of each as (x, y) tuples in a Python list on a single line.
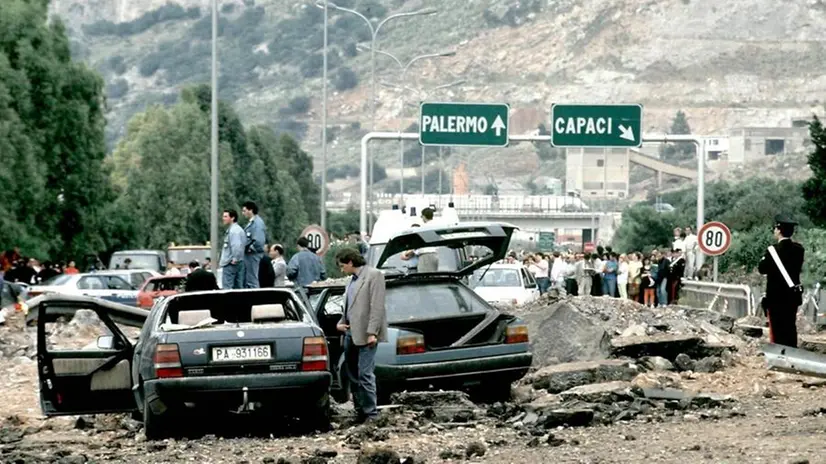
[(431, 301)]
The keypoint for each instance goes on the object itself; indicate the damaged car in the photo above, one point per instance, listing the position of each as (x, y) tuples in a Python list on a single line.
[(441, 333), (234, 351)]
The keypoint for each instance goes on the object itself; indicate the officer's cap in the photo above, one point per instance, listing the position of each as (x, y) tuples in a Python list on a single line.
[(783, 220)]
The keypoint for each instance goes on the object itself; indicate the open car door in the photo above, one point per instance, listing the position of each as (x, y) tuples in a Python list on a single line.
[(83, 358), (328, 308)]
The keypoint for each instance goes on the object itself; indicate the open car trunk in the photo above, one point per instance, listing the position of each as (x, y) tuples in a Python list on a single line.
[(443, 332)]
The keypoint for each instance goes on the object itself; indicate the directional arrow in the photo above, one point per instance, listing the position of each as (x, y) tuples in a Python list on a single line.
[(498, 125), (627, 133)]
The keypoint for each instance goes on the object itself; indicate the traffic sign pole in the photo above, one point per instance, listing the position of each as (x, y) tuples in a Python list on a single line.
[(716, 261)]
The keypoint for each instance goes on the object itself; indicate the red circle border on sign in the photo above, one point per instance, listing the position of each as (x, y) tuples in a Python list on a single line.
[(726, 232), (318, 228)]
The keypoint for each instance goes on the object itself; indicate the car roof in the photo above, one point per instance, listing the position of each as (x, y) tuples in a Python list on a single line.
[(506, 266), (119, 271)]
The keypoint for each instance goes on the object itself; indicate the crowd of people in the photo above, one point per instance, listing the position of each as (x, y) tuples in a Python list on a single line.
[(652, 279), (15, 267)]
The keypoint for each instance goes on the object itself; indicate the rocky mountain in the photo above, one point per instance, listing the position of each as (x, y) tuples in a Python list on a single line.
[(726, 64)]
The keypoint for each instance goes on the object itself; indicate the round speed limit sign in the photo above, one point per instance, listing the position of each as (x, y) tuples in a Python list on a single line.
[(318, 238), (714, 238)]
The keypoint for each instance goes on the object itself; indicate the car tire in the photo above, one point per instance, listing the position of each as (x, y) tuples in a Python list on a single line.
[(318, 418), (153, 426), (342, 394)]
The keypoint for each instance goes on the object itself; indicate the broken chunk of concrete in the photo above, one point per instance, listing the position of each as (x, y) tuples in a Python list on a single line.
[(606, 393), (431, 399), (656, 363), (562, 377), (712, 400), (576, 337), (709, 365), (667, 346), (684, 362), (666, 394), (573, 417)]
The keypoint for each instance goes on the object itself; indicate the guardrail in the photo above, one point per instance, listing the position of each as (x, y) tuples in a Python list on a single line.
[(734, 300)]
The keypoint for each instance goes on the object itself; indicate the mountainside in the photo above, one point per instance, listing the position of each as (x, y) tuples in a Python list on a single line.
[(726, 64)]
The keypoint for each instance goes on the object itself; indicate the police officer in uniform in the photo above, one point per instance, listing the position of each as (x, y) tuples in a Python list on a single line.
[(780, 302)]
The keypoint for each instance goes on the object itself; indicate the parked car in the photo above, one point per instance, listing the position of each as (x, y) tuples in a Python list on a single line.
[(663, 208), (507, 284), (441, 333), (239, 351), (120, 286), (158, 287)]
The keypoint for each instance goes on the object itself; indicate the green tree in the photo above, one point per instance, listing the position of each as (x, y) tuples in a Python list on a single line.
[(681, 150), (300, 167), (643, 229), (814, 188), (52, 137)]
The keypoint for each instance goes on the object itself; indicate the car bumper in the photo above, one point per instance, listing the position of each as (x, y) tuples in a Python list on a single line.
[(503, 368), (295, 390)]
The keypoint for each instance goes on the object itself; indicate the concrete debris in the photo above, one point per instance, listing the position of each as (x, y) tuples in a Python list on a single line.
[(381, 455), (562, 377), (475, 448), (684, 362), (656, 363), (607, 392)]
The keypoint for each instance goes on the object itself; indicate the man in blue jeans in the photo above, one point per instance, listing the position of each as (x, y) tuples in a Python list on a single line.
[(232, 254), (364, 324)]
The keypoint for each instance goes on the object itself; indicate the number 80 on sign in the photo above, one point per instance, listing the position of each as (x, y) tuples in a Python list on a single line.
[(714, 238)]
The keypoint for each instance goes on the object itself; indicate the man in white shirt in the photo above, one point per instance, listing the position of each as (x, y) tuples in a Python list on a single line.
[(678, 244), (428, 256), (690, 244)]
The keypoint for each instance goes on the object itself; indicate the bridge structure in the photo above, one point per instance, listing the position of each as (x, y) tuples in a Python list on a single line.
[(531, 213)]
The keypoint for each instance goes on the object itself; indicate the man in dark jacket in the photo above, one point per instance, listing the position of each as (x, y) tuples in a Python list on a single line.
[(781, 301), (199, 279), (266, 274)]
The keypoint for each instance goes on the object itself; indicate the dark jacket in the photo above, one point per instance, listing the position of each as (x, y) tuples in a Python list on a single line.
[(266, 274), (663, 269), (778, 292), (200, 280)]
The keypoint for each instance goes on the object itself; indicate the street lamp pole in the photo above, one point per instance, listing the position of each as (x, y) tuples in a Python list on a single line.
[(374, 32), (213, 194), (323, 200)]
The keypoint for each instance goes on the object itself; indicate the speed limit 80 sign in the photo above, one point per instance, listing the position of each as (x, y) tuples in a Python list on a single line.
[(714, 238), (318, 238)]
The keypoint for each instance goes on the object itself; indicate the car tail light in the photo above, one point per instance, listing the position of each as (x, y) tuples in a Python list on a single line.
[(144, 301), (410, 344), (516, 334), (168, 361), (314, 355)]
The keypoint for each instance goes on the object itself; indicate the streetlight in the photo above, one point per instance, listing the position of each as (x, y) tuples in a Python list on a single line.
[(323, 199), (374, 31), (420, 93), (404, 68), (213, 223)]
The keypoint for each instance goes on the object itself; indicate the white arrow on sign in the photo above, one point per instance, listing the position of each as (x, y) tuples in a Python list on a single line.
[(498, 125), (627, 133)]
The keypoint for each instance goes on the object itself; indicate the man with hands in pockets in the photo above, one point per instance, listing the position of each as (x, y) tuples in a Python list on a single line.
[(364, 324)]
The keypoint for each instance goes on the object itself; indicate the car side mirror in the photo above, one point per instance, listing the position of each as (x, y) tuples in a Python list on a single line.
[(106, 342)]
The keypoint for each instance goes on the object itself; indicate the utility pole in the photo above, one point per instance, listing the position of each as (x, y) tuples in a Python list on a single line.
[(323, 195), (213, 194)]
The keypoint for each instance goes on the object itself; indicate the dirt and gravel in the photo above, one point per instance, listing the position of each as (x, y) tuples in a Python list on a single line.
[(613, 382)]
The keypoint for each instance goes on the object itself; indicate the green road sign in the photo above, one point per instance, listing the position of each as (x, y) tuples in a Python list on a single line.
[(596, 125), (546, 241), (475, 124)]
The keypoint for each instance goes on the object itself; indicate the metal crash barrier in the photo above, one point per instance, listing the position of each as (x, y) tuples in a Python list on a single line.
[(733, 300), (794, 360)]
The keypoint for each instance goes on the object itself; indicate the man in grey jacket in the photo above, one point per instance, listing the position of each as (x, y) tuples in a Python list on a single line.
[(305, 266), (232, 254), (364, 324), (279, 266), (256, 233)]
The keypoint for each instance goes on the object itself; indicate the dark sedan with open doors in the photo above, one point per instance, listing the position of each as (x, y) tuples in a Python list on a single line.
[(237, 351), (441, 333)]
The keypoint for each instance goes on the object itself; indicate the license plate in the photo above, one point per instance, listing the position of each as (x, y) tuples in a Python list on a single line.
[(242, 353)]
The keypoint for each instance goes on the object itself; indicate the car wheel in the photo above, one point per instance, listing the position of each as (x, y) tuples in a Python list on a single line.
[(318, 418), (153, 426), (342, 394)]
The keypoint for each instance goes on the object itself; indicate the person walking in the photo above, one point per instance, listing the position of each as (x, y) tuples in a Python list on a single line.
[(232, 255), (622, 277), (256, 232), (781, 264), (364, 324), (279, 266), (305, 267)]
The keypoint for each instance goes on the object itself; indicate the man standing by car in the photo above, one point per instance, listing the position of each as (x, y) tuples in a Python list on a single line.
[(199, 279), (781, 265), (364, 324), (305, 266), (254, 246), (232, 255), (279, 266)]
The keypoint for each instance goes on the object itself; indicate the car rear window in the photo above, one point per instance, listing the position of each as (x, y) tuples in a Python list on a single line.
[(431, 301)]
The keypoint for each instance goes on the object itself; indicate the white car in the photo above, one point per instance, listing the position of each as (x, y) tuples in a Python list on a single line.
[(120, 286), (505, 284)]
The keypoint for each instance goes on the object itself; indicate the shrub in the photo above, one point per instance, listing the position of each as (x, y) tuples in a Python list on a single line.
[(150, 64), (345, 79), (116, 64), (168, 12), (311, 67), (297, 129), (298, 105)]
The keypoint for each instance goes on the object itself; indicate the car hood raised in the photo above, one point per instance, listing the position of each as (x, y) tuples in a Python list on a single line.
[(492, 235)]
